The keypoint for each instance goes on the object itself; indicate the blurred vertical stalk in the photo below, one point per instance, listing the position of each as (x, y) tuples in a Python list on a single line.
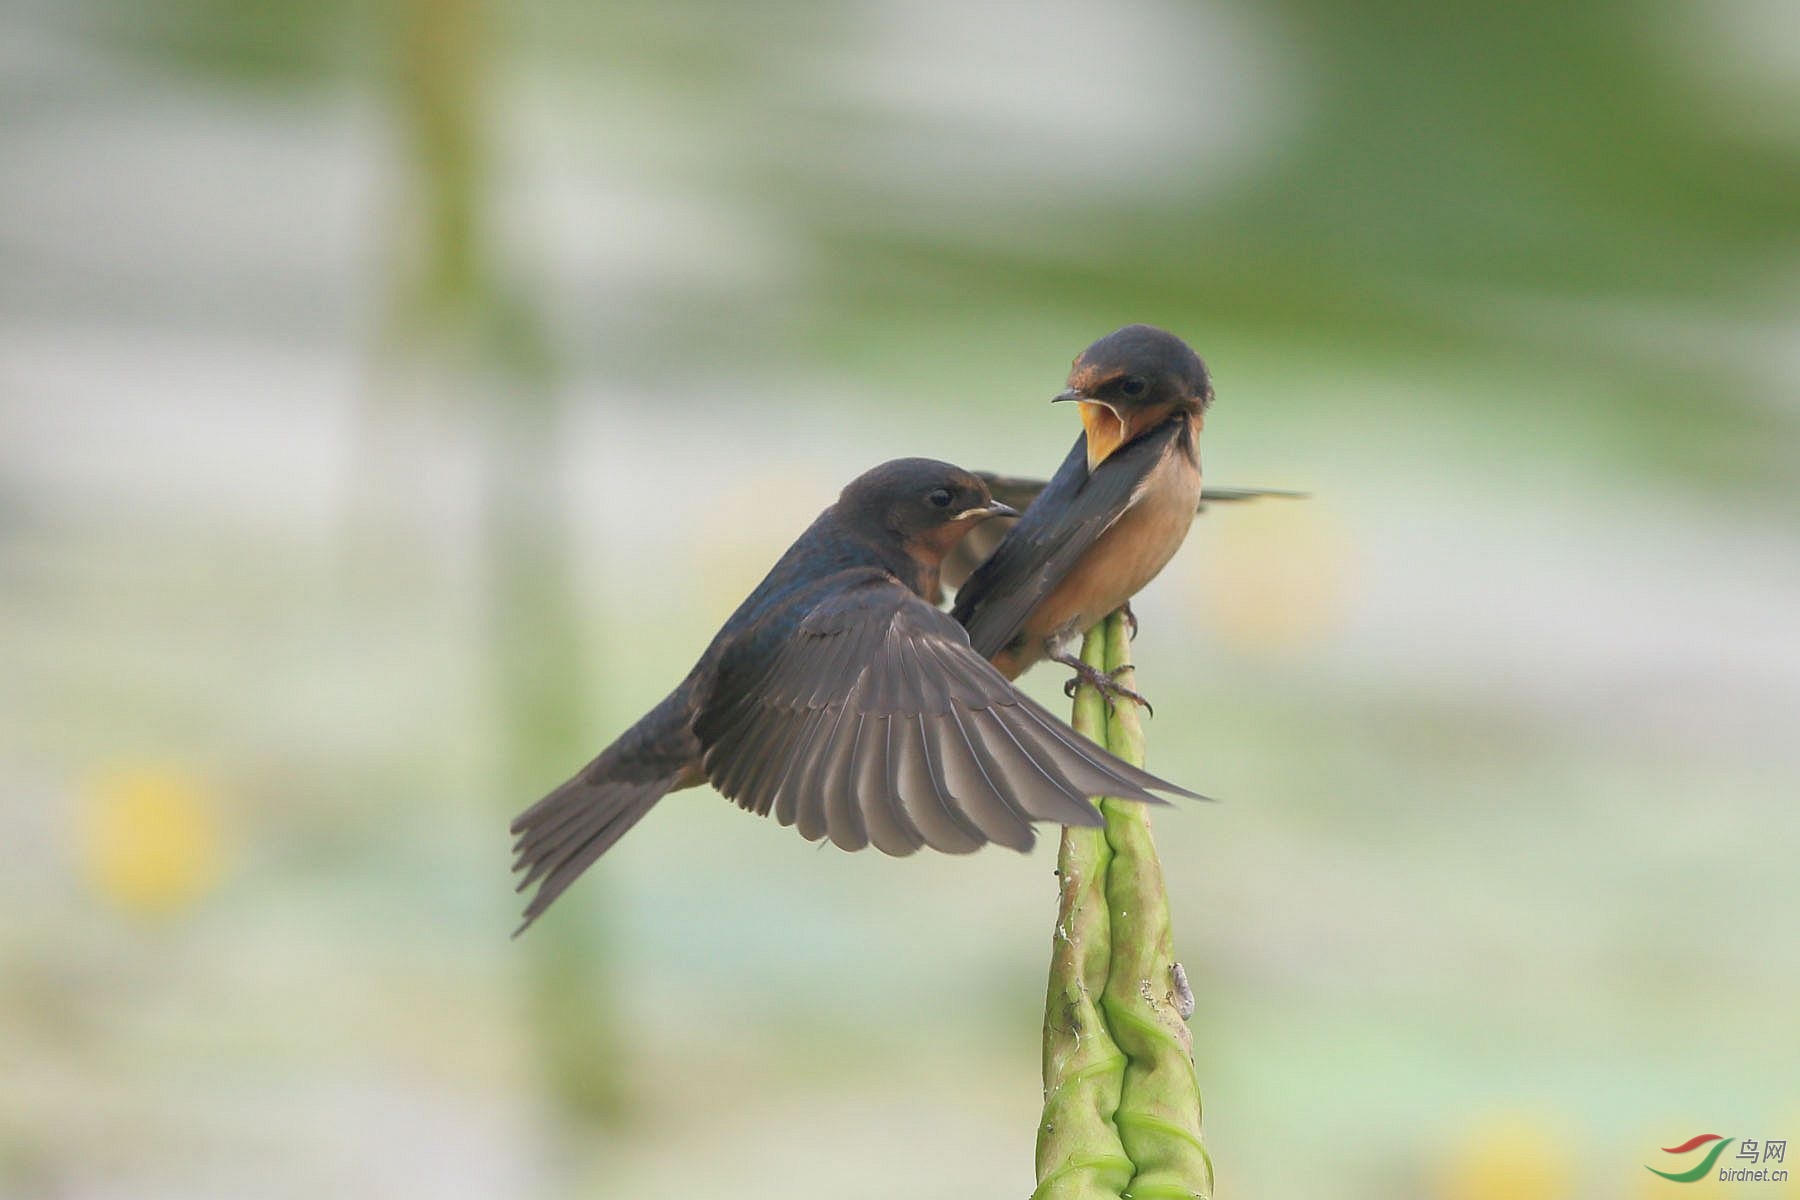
[(456, 331), (442, 76), (1121, 1100)]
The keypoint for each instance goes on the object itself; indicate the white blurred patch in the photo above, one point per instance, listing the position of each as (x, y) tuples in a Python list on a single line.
[(1745, 55), (1050, 103)]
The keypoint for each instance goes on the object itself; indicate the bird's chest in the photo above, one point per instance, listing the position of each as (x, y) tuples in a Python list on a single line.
[(1130, 553)]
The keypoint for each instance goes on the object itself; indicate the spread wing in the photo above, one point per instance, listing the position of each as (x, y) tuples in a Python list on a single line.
[(873, 722), (979, 544), (1039, 552)]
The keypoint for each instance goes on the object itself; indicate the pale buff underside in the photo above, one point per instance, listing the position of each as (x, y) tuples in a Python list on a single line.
[(1124, 558)]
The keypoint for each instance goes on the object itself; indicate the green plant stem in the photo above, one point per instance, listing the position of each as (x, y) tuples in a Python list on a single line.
[(1121, 1100), (1079, 1154)]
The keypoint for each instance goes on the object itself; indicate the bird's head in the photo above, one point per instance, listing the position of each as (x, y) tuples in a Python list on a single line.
[(928, 504), (1131, 381)]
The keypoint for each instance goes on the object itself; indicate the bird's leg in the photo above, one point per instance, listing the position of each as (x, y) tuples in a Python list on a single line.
[(1130, 619), (1101, 681)]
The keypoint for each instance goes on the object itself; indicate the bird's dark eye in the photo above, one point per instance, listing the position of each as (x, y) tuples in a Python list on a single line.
[(940, 498), (1133, 385)]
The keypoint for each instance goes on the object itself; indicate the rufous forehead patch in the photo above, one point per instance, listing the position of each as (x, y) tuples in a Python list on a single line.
[(1090, 379)]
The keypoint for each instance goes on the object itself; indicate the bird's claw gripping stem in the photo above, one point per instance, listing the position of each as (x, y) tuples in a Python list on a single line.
[(1104, 682)]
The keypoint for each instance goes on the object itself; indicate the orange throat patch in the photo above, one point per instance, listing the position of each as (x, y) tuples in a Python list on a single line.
[(1106, 432), (929, 552)]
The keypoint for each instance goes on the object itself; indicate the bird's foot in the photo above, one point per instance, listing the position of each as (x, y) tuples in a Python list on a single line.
[(1104, 682)]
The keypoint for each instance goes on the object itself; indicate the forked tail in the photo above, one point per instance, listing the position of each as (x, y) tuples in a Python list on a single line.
[(561, 835)]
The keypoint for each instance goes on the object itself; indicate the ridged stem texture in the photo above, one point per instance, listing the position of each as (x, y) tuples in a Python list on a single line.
[(1121, 1100)]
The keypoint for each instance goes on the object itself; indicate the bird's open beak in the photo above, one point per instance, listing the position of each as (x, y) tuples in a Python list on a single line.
[(993, 508), (1105, 425)]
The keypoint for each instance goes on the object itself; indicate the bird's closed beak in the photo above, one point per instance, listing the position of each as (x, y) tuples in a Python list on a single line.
[(992, 509), (1067, 394)]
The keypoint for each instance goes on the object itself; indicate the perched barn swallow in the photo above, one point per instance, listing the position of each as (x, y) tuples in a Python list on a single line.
[(1111, 517), (842, 701)]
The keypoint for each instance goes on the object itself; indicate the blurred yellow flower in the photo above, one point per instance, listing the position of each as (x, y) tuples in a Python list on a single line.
[(1508, 1157), (1272, 573), (148, 838)]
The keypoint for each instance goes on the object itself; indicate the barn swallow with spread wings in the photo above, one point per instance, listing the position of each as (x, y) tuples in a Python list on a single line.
[(1111, 517), (840, 700)]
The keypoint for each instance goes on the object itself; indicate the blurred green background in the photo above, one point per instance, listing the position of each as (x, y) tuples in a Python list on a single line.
[(393, 398)]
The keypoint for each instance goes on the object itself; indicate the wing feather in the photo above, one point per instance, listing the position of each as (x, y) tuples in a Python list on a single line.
[(877, 723), (892, 829), (799, 792), (968, 781), (917, 782)]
